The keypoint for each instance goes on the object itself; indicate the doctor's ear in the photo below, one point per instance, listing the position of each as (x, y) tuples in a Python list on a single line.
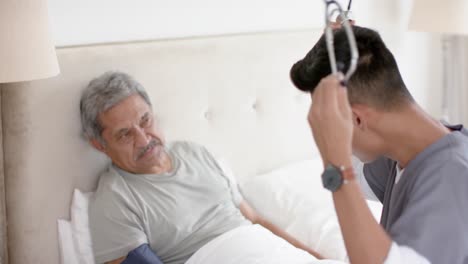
[(358, 121)]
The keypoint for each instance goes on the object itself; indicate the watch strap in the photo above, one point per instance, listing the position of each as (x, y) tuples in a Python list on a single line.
[(347, 173)]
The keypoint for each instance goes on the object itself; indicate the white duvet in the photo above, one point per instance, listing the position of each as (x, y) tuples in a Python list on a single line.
[(252, 245)]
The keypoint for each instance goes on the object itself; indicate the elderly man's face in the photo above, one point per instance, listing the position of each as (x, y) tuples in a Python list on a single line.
[(132, 140)]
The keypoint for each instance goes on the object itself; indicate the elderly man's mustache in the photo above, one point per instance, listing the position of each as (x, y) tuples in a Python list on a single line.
[(153, 143)]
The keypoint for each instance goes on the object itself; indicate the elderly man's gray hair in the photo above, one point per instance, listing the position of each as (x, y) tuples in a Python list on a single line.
[(103, 93)]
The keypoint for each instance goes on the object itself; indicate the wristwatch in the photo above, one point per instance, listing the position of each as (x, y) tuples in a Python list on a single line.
[(334, 177)]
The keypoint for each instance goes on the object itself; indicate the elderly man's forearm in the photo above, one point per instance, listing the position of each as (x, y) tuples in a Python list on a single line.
[(286, 236)]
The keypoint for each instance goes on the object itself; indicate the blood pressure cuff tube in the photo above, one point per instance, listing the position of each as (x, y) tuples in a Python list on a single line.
[(142, 255)]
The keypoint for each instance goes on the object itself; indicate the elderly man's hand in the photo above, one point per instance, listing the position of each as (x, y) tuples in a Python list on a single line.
[(330, 119)]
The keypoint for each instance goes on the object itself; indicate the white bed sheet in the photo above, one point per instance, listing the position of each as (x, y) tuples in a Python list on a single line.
[(252, 245)]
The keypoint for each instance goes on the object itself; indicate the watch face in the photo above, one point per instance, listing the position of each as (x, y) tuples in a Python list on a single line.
[(332, 178)]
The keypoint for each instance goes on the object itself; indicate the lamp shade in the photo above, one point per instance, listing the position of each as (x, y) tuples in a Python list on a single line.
[(440, 16), (26, 48)]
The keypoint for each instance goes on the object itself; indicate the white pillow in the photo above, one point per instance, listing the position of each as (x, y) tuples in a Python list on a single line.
[(68, 252), (293, 198), (75, 236)]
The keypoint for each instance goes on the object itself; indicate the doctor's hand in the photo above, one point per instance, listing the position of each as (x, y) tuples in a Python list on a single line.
[(337, 24), (330, 118)]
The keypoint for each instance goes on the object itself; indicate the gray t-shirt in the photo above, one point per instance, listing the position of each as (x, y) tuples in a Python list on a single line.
[(176, 213), (427, 210)]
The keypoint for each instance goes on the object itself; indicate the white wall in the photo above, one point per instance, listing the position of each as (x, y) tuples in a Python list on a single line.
[(76, 22), (91, 21)]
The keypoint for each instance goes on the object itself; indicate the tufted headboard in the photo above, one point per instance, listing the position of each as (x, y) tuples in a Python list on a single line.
[(230, 93)]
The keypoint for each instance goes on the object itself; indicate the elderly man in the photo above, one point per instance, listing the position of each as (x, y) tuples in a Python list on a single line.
[(172, 196)]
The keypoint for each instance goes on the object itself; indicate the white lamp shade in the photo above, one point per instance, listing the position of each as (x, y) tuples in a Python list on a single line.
[(26, 48), (440, 16)]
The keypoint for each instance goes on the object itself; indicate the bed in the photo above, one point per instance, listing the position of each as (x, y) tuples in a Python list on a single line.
[(230, 93)]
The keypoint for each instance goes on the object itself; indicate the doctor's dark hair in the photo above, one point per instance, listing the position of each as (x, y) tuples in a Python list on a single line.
[(377, 81), (101, 94)]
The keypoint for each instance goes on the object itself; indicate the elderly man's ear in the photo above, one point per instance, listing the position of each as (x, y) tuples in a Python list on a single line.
[(97, 145)]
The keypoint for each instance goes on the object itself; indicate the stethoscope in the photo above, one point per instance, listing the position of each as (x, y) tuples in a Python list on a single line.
[(331, 8)]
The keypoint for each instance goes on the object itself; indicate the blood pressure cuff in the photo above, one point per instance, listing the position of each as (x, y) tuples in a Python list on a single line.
[(142, 255)]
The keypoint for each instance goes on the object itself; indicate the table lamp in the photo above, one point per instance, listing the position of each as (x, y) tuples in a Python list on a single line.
[(449, 18), (26, 48), (26, 53)]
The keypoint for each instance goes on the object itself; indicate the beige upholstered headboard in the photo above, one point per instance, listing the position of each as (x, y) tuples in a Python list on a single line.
[(231, 93)]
